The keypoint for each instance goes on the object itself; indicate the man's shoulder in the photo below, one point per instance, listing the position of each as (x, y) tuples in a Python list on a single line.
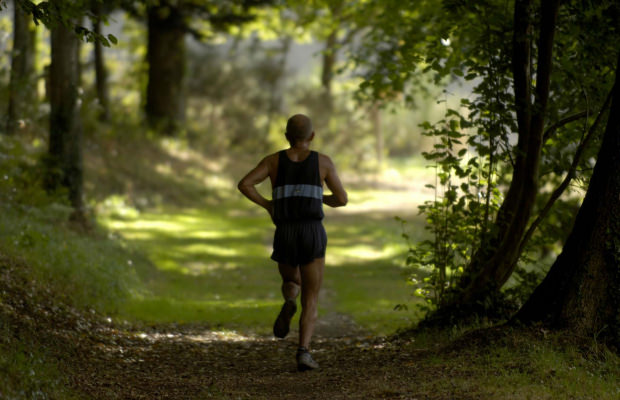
[(270, 158), (324, 159)]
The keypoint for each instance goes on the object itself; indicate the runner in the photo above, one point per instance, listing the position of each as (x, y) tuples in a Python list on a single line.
[(297, 175)]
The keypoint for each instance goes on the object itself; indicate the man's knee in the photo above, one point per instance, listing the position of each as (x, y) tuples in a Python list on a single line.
[(296, 282)]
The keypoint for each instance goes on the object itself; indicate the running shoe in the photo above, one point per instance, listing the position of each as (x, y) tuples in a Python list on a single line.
[(304, 360), (281, 326)]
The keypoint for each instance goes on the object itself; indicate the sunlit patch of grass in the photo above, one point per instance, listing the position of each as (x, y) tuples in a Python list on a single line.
[(212, 264), (214, 242)]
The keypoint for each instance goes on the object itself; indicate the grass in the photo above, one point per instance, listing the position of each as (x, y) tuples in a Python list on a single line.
[(209, 248), (517, 364), (180, 244), (212, 265)]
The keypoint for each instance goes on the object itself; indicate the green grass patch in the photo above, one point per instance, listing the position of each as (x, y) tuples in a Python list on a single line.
[(528, 364), (212, 264), (91, 270)]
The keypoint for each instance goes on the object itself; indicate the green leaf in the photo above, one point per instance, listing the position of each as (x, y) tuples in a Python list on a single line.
[(112, 39)]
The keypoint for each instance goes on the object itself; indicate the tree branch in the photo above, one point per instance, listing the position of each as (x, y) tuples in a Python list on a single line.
[(349, 36), (551, 130), (569, 176)]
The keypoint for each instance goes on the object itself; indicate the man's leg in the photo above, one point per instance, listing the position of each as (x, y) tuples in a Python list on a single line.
[(311, 279), (291, 280)]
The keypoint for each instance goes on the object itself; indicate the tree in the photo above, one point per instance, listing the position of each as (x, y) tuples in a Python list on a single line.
[(168, 23), (101, 73), (582, 289), (21, 87), (64, 162), (494, 201), (165, 108), (496, 258), (64, 166)]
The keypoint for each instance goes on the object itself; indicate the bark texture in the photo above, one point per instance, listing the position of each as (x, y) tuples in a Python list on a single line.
[(582, 290), (65, 167), (101, 73), (329, 60), (496, 259), (22, 85), (165, 105)]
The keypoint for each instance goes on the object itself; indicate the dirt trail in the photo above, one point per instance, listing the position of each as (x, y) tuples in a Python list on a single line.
[(169, 362), (199, 363)]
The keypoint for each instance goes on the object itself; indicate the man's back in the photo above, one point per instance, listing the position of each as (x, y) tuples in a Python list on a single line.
[(327, 173)]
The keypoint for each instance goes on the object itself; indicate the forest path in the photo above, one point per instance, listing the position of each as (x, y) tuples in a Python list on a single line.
[(235, 357), (199, 364), (105, 359), (363, 282)]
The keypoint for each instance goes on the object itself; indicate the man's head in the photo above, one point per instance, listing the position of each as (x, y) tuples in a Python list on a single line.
[(298, 129)]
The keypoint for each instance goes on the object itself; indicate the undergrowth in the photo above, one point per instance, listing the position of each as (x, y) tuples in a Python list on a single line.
[(59, 264), (92, 270)]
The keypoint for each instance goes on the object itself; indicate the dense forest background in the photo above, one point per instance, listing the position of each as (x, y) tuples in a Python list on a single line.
[(479, 141)]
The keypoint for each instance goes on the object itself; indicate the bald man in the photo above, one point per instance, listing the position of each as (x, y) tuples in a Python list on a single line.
[(297, 176)]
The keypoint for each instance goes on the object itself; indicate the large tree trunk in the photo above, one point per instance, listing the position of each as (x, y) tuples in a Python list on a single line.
[(582, 289), (497, 257), (165, 105), (21, 87), (101, 73), (65, 144)]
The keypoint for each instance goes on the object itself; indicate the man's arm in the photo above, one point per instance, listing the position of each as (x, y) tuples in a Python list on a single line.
[(339, 197), (254, 177)]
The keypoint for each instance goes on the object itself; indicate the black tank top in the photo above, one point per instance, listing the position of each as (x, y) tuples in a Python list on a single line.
[(298, 193)]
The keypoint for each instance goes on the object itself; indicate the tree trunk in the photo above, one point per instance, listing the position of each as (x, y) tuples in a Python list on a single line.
[(101, 73), (65, 144), (582, 289), (375, 116), (165, 108), (21, 87), (277, 84), (329, 59), (495, 260)]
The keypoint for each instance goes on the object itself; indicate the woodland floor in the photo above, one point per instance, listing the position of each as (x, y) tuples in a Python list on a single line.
[(102, 360), (99, 359)]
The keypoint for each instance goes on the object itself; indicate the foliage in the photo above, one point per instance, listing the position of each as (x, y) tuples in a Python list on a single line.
[(466, 194), (67, 13), (475, 145)]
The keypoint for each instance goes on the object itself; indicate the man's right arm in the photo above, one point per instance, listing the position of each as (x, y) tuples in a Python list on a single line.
[(339, 197), (254, 177)]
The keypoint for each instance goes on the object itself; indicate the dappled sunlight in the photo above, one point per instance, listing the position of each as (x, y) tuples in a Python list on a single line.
[(213, 264), (356, 252), (212, 250), (200, 268), (383, 201)]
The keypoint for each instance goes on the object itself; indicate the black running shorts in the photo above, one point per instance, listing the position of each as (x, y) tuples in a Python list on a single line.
[(298, 243)]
